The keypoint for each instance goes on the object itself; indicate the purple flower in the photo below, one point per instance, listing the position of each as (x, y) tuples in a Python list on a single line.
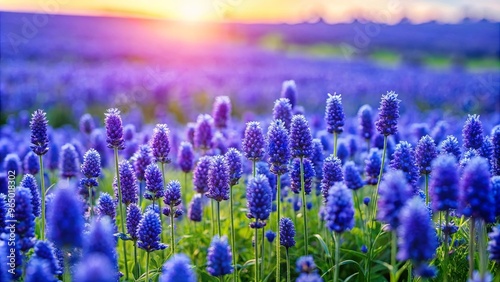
[(394, 192), (495, 189), (287, 232), (129, 187), (494, 244), (29, 181), (332, 172), (472, 133), (300, 137), (289, 91), (235, 169), (69, 163), (425, 153), (141, 159), (416, 236), (91, 167), (278, 147), (317, 158), (87, 124), (387, 123), (149, 231), (23, 214), (218, 179), (305, 264), (190, 132), (450, 146), (334, 114), (178, 268), (154, 183), (31, 163), (365, 119), (339, 209), (439, 131), (352, 178), (200, 175), (221, 111), (160, 143), (128, 132), (283, 111), (495, 158), (12, 163), (475, 197), (38, 271), (203, 133), (342, 151), (114, 129), (100, 240), (44, 251), (312, 277), (219, 257), (195, 211), (295, 176), (95, 267), (106, 206), (259, 200), (270, 236), (39, 138), (253, 142), (134, 216), (65, 219), (404, 160), (172, 193), (185, 157), (444, 183)]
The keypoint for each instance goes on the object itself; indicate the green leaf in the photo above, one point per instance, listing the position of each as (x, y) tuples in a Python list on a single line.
[(323, 245), (349, 278), (136, 270)]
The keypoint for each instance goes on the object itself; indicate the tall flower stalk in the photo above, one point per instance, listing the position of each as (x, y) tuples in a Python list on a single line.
[(287, 240), (39, 145), (301, 147), (279, 156), (114, 139), (173, 207), (235, 170), (334, 118)]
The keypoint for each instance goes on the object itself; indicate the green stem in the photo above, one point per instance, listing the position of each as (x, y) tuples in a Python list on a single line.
[(172, 230), (358, 206), (213, 216), (471, 246), (445, 259), (256, 252), (253, 169), (336, 237), (90, 203), (393, 256), (262, 244), (135, 258), (278, 211), (42, 181), (483, 255), (122, 217), (184, 199), (147, 266), (67, 272), (287, 266), (233, 236), (218, 220), (304, 208), (159, 201), (335, 137), (426, 189)]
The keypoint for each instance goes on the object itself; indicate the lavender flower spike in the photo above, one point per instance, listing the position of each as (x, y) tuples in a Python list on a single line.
[(334, 114), (365, 120), (185, 157), (259, 200), (114, 129), (289, 91), (235, 169), (475, 197), (203, 133), (444, 183), (278, 147), (283, 111), (472, 133), (300, 137), (39, 138), (69, 162), (387, 123), (219, 257), (221, 111), (218, 179), (339, 209), (160, 143), (253, 142), (425, 153), (394, 192)]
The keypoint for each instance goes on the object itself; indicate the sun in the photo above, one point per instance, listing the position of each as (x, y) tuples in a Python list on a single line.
[(194, 11)]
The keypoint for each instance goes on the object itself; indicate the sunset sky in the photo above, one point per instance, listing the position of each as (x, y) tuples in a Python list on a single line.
[(268, 10)]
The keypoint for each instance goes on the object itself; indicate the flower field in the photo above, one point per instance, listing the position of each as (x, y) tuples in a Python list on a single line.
[(132, 153)]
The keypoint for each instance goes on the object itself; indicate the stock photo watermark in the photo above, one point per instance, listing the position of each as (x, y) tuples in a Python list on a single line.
[(31, 25), (11, 222)]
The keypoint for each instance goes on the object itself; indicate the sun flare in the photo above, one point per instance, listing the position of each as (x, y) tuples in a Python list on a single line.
[(194, 11)]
